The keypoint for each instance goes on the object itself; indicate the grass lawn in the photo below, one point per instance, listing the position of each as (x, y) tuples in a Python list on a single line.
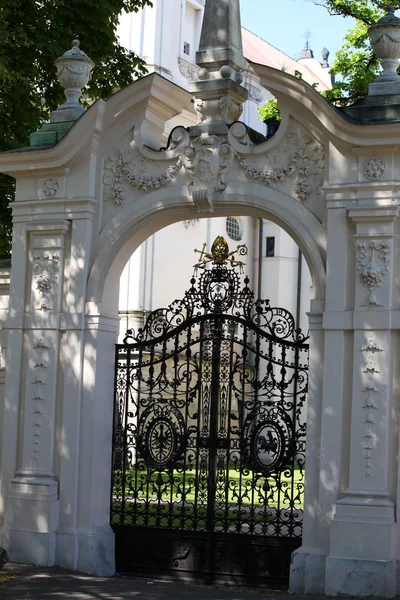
[(162, 499)]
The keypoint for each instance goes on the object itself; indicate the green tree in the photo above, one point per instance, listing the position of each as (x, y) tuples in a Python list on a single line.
[(33, 33), (355, 65)]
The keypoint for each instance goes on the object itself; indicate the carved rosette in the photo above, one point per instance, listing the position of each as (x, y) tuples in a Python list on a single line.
[(206, 162), (371, 349), (372, 266), (50, 187), (374, 168)]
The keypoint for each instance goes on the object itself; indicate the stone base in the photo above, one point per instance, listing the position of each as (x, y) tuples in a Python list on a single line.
[(29, 547), (307, 572), (88, 551), (384, 88), (361, 578), (50, 133)]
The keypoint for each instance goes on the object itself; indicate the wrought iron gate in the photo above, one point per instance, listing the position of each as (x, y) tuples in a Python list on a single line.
[(209, 434)]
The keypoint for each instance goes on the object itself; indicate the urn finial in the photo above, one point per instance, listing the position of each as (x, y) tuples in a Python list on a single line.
[(385, 42), (74, 70)]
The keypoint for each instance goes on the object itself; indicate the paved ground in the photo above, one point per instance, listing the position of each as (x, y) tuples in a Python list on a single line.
[(19, 582)]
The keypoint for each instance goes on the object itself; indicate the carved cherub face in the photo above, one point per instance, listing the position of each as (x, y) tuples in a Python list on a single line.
[(206, 165)]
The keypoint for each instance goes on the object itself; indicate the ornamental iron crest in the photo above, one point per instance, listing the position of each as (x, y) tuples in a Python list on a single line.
[(209, 431)]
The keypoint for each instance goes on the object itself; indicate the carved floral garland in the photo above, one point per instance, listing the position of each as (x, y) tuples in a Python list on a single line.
[(305, 163), (133, 171)]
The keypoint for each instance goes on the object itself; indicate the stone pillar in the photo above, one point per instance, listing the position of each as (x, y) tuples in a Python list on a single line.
[(362, 550), (31, 500), (308, 553), (326, 409)]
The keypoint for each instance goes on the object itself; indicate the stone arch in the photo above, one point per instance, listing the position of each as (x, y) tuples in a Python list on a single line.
[(138, 221)]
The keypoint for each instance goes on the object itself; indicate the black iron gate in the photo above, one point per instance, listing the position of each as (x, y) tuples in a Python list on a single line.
[(209, 435)]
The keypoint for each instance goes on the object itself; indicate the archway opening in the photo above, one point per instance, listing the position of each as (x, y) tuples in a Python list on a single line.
[(167, 449)]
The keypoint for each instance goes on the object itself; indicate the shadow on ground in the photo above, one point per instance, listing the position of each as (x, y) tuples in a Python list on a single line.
[(22, 582)]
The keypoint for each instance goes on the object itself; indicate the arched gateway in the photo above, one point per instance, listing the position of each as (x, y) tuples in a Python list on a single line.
[(84, 204)]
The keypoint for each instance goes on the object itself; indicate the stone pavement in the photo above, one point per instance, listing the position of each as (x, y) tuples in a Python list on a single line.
[(20, 582)]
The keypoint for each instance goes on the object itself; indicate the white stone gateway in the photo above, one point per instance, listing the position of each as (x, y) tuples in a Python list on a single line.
[(85, 204)]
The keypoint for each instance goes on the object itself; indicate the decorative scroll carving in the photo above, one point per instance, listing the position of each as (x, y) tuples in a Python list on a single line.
[(50, 187), (188, 70), (38, 384), (370, 406), (374, 168), (299, 159), (45, 275), (136, 171), (372, 265), (254, 93)]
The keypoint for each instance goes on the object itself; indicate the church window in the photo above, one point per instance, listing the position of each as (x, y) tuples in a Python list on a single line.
[(270, 247), (186, 48), (233, 229)]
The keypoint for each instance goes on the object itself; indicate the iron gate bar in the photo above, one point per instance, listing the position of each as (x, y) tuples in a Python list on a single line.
[(209, 435)]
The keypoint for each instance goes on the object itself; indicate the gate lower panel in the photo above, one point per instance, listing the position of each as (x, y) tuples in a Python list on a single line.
[(185, 556)]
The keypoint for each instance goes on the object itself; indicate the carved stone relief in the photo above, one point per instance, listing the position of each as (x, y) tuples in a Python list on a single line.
[(254, 93), (298, 159), (370, 406), (190, 222), (206, 161), (45, 275), (136, 171), (38, 384), (50, 187), (374, 168), (372, 266), (188, 70)]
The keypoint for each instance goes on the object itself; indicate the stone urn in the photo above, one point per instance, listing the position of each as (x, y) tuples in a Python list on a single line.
[(385, 41), (74, 70)]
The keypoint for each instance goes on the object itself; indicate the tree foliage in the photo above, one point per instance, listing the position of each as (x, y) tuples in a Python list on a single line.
[(33, 34), (355, 65), (269, 110)]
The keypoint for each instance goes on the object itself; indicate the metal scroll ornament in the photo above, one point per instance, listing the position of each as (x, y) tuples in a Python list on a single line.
[(209, 431)]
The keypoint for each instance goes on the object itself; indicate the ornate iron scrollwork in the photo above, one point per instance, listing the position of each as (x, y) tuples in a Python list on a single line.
[(209, 436)]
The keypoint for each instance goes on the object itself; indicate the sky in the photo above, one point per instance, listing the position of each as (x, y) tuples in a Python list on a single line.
[(283, 23)]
